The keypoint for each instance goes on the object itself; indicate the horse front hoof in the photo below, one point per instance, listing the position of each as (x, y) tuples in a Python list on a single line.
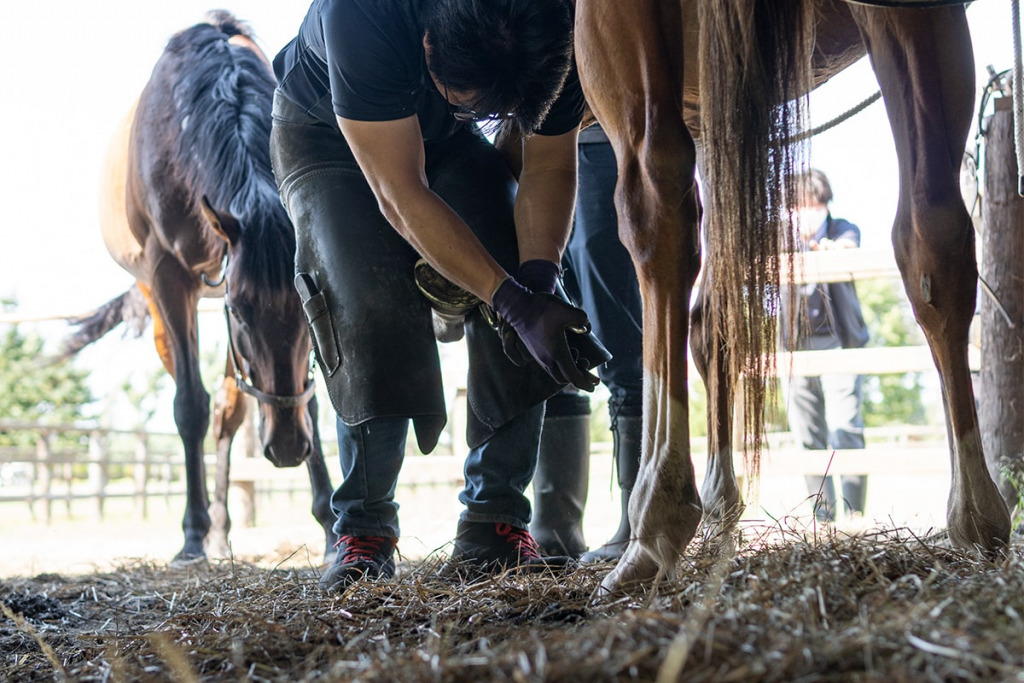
[(218, 548), (987, 537), (980, 523), (635, 572), (186, 557)]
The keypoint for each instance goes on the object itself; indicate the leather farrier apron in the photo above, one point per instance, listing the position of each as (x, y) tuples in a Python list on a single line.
[(372, 328)]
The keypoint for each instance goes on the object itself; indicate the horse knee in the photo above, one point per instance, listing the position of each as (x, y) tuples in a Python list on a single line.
[(656, 198), (935, 252)]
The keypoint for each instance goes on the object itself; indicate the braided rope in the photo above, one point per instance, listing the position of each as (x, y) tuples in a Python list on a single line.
[(832, 123), (1018, 96)]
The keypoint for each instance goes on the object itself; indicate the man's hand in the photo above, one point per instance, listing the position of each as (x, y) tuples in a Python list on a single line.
[(541, 322)]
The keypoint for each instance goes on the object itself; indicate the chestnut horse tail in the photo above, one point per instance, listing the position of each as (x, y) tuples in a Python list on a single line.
[(755, 74), (129, 308)]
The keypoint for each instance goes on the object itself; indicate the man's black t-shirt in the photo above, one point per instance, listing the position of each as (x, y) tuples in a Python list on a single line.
[(364, 60)]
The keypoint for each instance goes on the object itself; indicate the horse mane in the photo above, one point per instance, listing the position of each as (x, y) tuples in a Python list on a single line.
[(754, 78), (224, 98)]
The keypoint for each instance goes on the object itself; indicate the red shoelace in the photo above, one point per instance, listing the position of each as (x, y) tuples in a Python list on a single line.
[(363, 548), (524, 542)]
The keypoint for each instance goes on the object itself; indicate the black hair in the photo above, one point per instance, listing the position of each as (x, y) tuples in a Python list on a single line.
[(817, 186), (513, 55)]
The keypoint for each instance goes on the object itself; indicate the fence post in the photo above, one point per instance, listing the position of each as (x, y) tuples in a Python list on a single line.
[(140, 474), (247, 489), (1001, 410), (44, 473), (99, 468)]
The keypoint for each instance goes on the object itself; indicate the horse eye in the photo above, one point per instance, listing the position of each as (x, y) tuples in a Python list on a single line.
[(236, 314)]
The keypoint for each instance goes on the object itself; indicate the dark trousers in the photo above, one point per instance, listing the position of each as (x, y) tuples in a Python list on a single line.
[(826, 412), (600, 277)]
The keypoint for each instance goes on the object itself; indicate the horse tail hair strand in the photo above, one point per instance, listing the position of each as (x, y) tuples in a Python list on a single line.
[(129, 308), (754, 78)]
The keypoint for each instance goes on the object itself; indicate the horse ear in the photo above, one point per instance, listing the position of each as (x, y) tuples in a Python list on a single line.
[(224, 225)]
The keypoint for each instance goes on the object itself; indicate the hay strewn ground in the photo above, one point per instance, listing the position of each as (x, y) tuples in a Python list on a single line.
[(881, 606)]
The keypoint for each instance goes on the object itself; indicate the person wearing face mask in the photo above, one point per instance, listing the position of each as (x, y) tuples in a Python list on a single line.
[(825, 412)]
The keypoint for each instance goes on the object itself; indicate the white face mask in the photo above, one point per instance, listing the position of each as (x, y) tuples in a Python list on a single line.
[(808, 219)]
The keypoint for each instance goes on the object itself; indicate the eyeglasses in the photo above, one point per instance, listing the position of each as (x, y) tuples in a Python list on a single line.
[(464, 114)]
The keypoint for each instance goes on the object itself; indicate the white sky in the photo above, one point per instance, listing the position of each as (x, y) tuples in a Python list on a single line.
[(859, 157), (72, 71), (72, 68)]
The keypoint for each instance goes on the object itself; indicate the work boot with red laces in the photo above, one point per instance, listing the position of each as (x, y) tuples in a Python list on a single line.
[(493, 547), (360, 558)]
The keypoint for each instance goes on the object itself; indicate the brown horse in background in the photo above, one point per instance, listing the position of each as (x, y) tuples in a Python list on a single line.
[(190, 208), (721, 85)]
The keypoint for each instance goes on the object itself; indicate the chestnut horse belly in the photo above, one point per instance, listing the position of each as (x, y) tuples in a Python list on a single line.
[(124, 245)]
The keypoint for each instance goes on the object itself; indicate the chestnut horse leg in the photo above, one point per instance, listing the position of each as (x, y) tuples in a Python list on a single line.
[(632, 84), (228, 415), (923, 60)]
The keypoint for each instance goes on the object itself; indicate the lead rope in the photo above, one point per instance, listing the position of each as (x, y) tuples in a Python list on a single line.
[(1018, 97), (849, 113)]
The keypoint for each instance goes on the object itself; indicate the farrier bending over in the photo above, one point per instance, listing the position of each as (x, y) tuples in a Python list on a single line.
[(380, 160)]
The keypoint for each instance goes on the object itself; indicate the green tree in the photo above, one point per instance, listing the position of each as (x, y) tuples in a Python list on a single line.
[(142, 390), (35, 390), (890, 399)]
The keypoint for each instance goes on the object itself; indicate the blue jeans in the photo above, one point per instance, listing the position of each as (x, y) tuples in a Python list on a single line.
[(497, 472)]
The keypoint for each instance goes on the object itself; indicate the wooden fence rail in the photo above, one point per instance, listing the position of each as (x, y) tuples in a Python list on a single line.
[(156, 471), (76, 462)]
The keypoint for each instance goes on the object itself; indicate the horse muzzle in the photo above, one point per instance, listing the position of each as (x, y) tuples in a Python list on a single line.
[(287, 440)]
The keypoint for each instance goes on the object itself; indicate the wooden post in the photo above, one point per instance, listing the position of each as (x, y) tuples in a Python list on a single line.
[(140, 474), (1001, 412), (44, 473), (67, 475), (459, 419), (250, 440), (99, 469)]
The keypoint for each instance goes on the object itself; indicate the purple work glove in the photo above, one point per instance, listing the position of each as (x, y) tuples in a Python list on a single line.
[(539, 275), (541, 321)]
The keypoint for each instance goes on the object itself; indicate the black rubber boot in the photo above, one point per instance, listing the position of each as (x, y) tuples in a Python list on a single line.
[(562, 479), (627, 437)]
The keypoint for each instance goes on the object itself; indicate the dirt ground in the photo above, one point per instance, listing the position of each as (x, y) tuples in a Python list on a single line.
[(776, 599), (781, 603)]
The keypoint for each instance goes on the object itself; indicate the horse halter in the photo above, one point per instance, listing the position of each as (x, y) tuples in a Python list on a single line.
[(275, 400)]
